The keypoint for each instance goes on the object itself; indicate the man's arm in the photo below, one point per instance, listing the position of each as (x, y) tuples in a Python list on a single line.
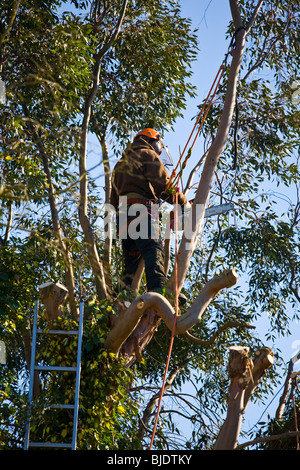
[(157, 175)]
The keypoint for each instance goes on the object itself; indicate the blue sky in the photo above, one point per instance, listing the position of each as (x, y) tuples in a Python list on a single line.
[(212, 17)]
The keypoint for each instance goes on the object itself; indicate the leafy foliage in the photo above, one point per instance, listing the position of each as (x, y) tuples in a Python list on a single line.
[(47, 63)]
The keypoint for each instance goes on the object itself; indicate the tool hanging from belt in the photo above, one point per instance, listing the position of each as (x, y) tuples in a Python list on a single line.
[(151, 209)]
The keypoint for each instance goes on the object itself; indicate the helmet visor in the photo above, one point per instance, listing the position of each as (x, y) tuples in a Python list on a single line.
[(165, 156)]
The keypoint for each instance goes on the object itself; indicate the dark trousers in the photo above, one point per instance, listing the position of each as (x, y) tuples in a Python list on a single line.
[(151, 251)]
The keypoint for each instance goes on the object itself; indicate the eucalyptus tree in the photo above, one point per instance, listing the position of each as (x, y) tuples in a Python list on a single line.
[(109, 68)]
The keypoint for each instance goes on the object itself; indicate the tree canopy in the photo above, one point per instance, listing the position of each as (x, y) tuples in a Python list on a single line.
[(101, 70)]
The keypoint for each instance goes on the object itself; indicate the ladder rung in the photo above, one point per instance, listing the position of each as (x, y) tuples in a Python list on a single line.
[(49, 444), (58, 332), (56, 368), (35, 367)]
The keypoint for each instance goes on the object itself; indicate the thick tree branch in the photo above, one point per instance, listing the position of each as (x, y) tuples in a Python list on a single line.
[(240, 372), (67, 257), (96, 265), (130, 319), (187, 245), (236, 14), (264, 359)]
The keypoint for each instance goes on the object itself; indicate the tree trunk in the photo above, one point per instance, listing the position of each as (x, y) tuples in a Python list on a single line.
[(87, 229), (245, 376), (67, 257), (108, 230), (187, 244)]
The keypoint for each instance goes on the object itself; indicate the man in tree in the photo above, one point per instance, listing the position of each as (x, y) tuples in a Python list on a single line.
[(142, 179)]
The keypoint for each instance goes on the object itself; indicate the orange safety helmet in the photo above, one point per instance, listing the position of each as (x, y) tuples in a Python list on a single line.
[(152, 133), (158, 146)]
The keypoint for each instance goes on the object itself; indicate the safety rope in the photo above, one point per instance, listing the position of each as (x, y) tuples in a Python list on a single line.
[(210, 97), (211, 94), (174, 323)]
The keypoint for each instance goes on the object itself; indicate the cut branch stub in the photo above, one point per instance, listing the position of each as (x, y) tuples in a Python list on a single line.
[(240, 369), (264, 359), (240, 366), (53, 295)]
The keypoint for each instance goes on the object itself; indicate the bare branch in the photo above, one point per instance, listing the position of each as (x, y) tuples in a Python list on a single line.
[(130, 319), (283, 398), (254, 15), (193, 172), (276, 437), (96, 264), (115, 34), (226, 326)]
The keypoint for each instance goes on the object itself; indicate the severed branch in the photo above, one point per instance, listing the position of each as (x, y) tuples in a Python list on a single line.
[(53, 295), (127, 323)]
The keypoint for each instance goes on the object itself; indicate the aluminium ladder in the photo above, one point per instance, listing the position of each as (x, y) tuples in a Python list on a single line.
[(34, 367)]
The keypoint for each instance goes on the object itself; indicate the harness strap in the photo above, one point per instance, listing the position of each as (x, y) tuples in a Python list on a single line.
[(140, 201)]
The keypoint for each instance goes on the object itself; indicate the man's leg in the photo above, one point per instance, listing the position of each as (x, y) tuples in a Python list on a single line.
[(132, 256), (153, 255)]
